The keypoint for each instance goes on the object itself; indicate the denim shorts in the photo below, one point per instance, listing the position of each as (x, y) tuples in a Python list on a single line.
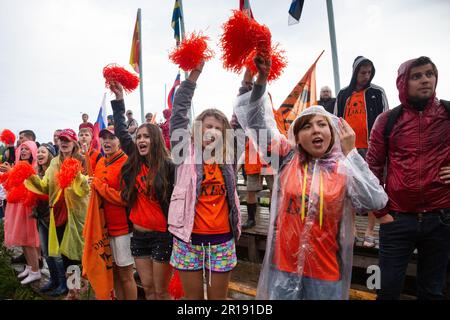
[(290, 286), (214, 257), (151, 244)]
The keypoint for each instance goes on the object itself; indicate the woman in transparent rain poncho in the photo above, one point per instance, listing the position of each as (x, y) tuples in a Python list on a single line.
[(321, 181)]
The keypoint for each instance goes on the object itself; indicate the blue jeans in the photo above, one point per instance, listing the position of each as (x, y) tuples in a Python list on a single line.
[(291, 286), (430, 234)]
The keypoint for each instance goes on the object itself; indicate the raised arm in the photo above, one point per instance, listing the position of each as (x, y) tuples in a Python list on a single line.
[(120, 127), (182, 104), (364, 189)]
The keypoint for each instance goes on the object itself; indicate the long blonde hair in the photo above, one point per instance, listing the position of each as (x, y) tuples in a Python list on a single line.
[(227, 148)]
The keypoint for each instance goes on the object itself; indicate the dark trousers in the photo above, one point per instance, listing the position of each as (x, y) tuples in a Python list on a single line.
[(67, 262), (430, 234)]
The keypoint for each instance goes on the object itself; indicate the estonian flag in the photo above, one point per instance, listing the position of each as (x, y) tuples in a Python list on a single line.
[(295, 11)]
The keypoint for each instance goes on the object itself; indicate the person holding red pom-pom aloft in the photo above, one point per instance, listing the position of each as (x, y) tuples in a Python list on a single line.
[(204, 215)]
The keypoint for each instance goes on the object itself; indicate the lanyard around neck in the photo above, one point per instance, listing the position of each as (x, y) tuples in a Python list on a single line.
[(305, 180)]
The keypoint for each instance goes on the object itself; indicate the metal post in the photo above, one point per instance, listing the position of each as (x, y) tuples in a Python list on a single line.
[(182, 38), (141, 71), (337, 83)]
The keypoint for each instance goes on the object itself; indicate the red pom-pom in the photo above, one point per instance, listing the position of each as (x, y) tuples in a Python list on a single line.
[(243, 38), (237, 40), (113, 72), (17, 194), (19, 173), (191, 51), (279, 62), (175, 287), (69, 170), (7, 137)]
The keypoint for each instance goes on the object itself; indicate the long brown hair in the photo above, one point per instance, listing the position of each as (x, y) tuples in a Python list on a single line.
[(220, 116), (156, 159)]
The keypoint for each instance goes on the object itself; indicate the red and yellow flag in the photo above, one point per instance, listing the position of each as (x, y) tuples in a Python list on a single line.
[(134, 55), (97, 256), (301, 97)]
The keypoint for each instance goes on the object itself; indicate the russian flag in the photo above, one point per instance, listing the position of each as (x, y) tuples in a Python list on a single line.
[(99, 124), (171, 95)]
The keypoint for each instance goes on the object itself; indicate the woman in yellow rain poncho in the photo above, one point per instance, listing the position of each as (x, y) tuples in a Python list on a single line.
[(68, 205)]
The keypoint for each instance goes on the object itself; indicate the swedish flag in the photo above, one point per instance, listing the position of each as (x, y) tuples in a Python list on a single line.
[(176, 21)]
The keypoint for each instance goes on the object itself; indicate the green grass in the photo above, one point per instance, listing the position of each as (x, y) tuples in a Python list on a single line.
[(10, 287)]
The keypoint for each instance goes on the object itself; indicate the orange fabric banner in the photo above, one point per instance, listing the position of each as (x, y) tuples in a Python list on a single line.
[(134, 55), (97, 256), (301, 97)]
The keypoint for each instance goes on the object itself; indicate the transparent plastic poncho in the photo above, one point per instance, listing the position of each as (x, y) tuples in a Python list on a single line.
[(309, 246)]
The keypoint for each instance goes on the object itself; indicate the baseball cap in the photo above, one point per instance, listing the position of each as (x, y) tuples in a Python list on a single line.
[(68, 134), (109, 129)]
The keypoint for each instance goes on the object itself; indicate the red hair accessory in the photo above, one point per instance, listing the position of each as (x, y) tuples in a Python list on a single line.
[(7, 137), (69, 170), (113, 72), (191, 51)]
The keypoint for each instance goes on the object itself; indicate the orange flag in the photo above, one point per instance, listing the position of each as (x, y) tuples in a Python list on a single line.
[(134, 55), (302, 96), (97, 256)]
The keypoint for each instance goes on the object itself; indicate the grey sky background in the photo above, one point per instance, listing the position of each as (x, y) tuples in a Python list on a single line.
[(53, 51)]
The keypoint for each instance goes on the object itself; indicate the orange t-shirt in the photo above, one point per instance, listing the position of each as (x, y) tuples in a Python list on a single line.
[(253, 167), (211, 210), (318, 246), (356, 116), (146, 211)]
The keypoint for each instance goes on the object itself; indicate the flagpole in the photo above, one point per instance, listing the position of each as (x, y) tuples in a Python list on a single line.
[(182, 38), (337, 82), (141, 71), (165, 96)]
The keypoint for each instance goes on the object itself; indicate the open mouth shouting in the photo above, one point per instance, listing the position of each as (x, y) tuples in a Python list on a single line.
[(143, 148), (317, 142)]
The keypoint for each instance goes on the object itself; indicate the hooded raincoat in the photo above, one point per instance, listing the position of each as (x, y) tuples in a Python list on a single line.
[(20, 226), (76, 198), (310, 240)]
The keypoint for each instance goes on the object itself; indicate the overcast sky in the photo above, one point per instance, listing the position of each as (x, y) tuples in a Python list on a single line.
[(53, 51)]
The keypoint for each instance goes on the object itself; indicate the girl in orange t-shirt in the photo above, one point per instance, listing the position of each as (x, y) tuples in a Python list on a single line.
[(147, 180)]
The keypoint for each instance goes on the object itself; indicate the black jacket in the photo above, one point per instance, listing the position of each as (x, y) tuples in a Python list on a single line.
[(375, 98)]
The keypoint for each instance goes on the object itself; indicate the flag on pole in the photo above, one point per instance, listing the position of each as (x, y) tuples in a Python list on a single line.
[(295, 11), (244, 5), (134, 55), (99, 124), (176, 21), (171, 94), (302, 96)]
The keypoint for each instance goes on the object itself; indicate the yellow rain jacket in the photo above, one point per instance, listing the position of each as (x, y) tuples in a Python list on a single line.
[(76, 197)]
